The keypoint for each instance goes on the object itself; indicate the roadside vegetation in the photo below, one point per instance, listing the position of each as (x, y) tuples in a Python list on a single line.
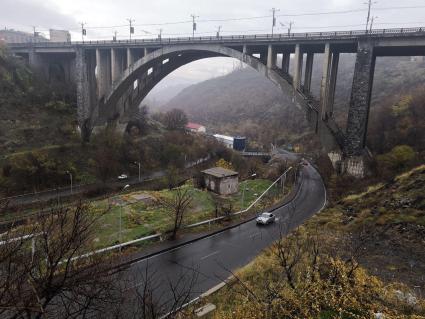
[(148, 212), (361, 257)]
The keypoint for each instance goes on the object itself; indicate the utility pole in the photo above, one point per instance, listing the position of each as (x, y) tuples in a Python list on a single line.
[(121, 206), (369, 7), (274, 10), (70, 177), (193, 24), (115, 36), (131, 26), (371, 23), (218, 31), (160, 35), (83, 31), (291, 23)]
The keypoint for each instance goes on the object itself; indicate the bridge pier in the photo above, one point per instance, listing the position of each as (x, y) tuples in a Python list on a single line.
[(286, 58), (358, 113), (103, 77), (85, 64), (298, 67), (308, 71), (271, 57), (130, 57)]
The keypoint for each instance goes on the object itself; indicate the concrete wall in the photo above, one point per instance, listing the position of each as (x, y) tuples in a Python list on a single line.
[(223, 185), (229, 185)]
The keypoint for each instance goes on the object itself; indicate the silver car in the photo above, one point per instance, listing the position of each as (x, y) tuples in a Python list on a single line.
[(266, 218)]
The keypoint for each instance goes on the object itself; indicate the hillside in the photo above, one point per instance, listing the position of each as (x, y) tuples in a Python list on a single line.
[(362, 256), (244, 102), (32, 112), (240, 103)]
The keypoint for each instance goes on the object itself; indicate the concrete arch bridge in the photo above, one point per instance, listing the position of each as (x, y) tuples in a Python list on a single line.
[(112, 78)]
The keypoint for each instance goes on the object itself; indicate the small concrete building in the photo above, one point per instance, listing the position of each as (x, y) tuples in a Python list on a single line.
[(221, 180)]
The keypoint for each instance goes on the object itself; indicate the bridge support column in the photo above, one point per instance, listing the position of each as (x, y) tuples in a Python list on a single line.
[(332, 83), (271, 57), (130, 57), (328, 84), (246, 50), (115, 65), (145, 51), (83, 94), (103, 72), (308, 71), (358, 113), (263, 58), (298, 67), (286, 58), (36, 63)]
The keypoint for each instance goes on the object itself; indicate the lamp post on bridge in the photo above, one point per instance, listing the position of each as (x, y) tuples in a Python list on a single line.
[(130, 20), (193, 24), (274, 18)]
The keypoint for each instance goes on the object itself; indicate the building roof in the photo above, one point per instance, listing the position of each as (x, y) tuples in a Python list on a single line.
[(220, 172), (193, 126), (224, 137)]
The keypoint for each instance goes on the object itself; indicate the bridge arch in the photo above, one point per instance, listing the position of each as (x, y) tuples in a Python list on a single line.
[(167, 59)]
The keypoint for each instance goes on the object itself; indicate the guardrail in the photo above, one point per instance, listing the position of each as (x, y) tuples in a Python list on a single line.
[(119, 246), (232, 38), (209, 221), (75, 187)]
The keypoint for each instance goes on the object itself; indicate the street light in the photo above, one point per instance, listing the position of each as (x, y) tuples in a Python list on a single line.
[(120, 230), (138, 163), (70, 177), (243, 191)]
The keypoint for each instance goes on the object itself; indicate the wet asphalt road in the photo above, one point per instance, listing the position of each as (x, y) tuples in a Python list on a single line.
[(212, 258)]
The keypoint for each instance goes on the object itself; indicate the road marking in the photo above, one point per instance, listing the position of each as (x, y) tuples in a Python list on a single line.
[(254, 235), (212, 254)]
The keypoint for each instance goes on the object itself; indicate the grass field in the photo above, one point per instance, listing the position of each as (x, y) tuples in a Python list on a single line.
[(141, 216)]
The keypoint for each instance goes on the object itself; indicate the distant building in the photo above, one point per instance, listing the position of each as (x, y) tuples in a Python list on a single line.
[(13, 36), (237, 143), (59, 36), (221, 180), (195, 128), (226, 140)]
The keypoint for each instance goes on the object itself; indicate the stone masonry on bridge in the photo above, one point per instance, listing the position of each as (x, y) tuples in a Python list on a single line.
[(112, 78)]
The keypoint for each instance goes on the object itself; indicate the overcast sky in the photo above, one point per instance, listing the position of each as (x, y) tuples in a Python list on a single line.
[(103, 17)]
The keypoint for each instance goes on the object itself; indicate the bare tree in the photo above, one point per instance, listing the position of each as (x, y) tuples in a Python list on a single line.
[(149, 294), (175, 119), (177, 206), (40, 275)]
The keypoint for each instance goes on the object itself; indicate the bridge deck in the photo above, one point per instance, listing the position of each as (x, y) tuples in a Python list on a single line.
[(383, 37)]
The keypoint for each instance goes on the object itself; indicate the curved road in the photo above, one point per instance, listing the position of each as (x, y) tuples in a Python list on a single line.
[(213, 258)]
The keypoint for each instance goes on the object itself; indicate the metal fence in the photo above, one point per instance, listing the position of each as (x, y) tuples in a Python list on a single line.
[(235, 38)]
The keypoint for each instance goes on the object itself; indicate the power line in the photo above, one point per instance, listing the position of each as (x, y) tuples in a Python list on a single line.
[(264, 16)]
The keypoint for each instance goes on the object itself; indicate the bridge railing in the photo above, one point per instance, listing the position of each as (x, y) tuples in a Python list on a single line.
[(242, 37)]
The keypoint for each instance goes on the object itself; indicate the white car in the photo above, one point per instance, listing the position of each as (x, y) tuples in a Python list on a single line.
[(123, 176), (266, 218)]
